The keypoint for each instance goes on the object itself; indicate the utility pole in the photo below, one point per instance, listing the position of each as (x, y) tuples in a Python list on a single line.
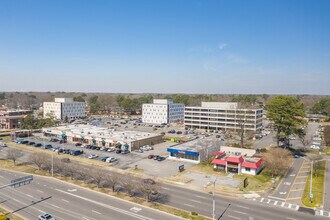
[(213, 211), (311, 183)]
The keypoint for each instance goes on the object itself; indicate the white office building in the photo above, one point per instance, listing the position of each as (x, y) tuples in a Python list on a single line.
[(64, 107), (223, 116), (162, 111)]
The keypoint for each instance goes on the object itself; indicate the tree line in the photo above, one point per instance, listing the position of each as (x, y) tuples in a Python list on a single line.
[(102, 178)]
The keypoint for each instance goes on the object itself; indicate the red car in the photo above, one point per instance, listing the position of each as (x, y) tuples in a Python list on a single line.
[(151, 156)]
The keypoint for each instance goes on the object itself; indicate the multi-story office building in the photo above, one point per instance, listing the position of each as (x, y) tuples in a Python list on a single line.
[(223, 116), (63, 108), (162, 111), (12, 119)]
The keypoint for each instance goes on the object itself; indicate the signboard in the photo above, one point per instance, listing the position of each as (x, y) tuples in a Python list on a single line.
[(21, 181), (191, 153), (246, 183), (181, 168), (311, 195)]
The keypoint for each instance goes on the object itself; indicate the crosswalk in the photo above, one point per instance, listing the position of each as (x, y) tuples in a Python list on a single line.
[(279, 203), (322, 213)]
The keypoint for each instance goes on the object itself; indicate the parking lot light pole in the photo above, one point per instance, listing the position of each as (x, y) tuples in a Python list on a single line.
[(213, 211), (311, 183)]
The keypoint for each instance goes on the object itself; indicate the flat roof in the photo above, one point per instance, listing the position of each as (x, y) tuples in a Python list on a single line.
[(99, 133), (195, 145)]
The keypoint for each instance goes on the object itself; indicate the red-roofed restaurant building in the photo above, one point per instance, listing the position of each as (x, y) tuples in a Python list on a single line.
[(237, 160)]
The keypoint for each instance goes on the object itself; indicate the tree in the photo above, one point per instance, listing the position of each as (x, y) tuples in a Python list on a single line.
[(94, 104), (78, 99), (38, 159), (241, 120), (302, 138), (277, 161), (66, 118), (113, 179), (14, 154), (287, 114), (98, 176), (148, 188), (130, 185), (2, 96)]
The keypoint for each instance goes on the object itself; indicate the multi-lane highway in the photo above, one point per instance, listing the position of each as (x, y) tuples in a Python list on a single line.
[(67, 201)]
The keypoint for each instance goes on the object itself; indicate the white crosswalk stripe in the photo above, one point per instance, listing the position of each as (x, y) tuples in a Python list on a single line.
[(278, 203)]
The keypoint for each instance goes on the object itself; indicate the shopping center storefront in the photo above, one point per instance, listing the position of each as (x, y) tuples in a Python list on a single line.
[(184, 154)]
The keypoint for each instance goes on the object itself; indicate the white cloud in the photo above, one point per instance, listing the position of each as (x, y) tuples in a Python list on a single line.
[(235, 59), (222, 46)]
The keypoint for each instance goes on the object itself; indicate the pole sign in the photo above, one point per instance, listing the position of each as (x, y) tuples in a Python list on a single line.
[(246, 183), (311, 195), (21, 181), (181, 168)]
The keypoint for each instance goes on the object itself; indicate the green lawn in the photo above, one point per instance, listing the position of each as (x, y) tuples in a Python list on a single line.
[(327, 150), (317, 188), (259, 182)]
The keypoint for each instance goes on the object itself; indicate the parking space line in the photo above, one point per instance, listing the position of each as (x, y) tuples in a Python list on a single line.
[(294, 190), (302, 176), (294, 198), (294, 181), (300, 183)]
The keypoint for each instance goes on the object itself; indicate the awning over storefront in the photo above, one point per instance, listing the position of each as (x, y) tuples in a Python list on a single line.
[(176, 151), (219, 162)]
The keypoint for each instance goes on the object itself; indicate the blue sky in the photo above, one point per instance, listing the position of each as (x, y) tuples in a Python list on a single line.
[(179, 46)]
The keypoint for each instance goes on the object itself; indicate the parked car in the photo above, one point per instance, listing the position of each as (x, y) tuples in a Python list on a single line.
[(92, 156), (160, 158), (104, 159), (162, 133), (151, 156), (24, 142), (111, 149), (217, 136), (37, 145), (31, 143), (156, 157), (3, 145), (179, 132), (259, 136), (118, 151), (139, 150), (111, 160), (48, 146), (76, 152), (46, 216), (77, 144), (315, 147), (125, 152)]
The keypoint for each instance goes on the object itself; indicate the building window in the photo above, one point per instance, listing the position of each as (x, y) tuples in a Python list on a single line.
[(248, 169)]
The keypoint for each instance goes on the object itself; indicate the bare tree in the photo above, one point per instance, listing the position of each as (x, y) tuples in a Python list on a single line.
[(70, 169), (278, 161), (148, 188), (38, 159), (98, 175), (129, 184), (303, 139), (241, 121), (113, 179), (14, 154), (316, 159)]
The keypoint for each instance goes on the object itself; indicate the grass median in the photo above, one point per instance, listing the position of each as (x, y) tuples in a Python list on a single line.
[(317, 188), (9, 165), (4, 214)]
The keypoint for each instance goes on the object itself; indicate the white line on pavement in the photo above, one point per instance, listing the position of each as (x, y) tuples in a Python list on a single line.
[(40, 191), (85, 218), (65, 200), (29, 195), (230, 216), (55, 206), (196, 201), (243, 213), (107, 206), (202, 197), (96, 212), (188, 205), (290, 218), (165, 188), (242, 207)]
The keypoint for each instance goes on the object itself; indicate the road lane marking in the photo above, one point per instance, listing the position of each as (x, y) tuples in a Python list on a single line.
[(29, 195), (202, 197), (242, 207), (107, 206), (135, 209), (165, 188), (196, 201), (85, 218), (72, 190), (243, 213), (188, 205), (290, 218), (65, 200), (55, 206), (230, 216), (96, 212), (40, 191)]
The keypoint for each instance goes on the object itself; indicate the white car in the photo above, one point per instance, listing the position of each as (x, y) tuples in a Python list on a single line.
[(93, 156), (313, 146), (3, 145), (46, 216), (111, 160)]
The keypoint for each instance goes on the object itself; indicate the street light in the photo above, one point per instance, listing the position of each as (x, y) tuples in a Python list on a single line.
[(213, 211)]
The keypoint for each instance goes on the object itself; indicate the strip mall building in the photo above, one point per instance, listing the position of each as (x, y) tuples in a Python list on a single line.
[(237, 160)]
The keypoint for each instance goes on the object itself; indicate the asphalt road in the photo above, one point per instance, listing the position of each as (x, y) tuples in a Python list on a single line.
[(67, 201)]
